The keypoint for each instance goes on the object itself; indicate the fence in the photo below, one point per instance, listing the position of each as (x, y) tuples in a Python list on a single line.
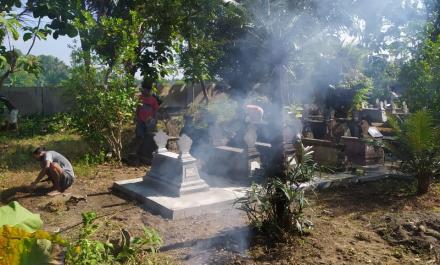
[(50, 100), (38, 100)]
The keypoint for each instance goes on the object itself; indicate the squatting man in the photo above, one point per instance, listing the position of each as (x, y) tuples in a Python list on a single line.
[(56, 167)]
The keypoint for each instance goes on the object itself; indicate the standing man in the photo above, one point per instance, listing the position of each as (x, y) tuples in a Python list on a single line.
[(56, 167), (146, 112), (146, 119)]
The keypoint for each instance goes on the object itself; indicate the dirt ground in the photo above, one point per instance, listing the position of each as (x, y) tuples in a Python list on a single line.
[(380, 223)]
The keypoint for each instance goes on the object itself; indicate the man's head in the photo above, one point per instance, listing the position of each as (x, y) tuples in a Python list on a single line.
[(39, 153), (146, 87)]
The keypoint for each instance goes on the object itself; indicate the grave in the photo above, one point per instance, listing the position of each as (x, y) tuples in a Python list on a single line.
[(174, 189), (238, 161)]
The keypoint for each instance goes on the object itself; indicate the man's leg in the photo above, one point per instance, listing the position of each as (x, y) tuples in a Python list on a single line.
[(55, 172)]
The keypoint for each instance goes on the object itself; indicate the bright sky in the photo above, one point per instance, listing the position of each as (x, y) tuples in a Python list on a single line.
[(59, 47)]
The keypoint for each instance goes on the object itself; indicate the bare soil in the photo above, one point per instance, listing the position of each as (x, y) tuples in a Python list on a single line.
[(377, 223)]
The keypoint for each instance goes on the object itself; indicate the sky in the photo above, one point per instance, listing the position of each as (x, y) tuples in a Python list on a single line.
[(60, 47)]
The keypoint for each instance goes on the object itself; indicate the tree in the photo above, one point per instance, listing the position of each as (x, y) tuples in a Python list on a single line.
[(54, 71), (420, 78), (204, 29), (418, 147), (105, 89), (12, 60)]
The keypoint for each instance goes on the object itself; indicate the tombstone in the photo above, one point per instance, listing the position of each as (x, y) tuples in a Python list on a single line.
[(173, 187), (364, 105), (216, 137), (364, 129), (362, 153), (381, 106), (175, 174), (405, 108), (378, 103), (393, 107), (161, 140)]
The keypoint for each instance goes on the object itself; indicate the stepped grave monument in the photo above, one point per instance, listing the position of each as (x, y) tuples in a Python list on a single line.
[(173, 187)]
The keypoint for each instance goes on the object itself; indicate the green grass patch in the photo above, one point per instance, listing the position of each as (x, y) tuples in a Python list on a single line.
[(16, 152)]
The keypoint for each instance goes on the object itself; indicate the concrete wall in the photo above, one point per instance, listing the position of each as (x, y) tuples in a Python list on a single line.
[(50, 100), (38, 100)]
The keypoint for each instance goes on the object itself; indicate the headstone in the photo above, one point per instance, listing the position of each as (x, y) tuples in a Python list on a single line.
[(381, 106), (250, 136), (161, 140), (377, 103), (374, 132), (364, 127), (184, 144), (216, 136), (364, 105), (393, 107), (175, 174), (405, 107)]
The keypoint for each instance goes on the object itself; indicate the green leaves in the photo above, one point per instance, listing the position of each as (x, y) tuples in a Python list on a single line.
[(262, 203), (21, 241), (19, 247), (417, 145), (14, 214), (9, 25), (88, 250)]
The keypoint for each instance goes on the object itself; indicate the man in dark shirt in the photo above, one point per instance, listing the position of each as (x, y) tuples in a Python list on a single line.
[(56, 167)]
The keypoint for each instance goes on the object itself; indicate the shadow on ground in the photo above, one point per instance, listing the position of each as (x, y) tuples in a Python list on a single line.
[(22, 192)]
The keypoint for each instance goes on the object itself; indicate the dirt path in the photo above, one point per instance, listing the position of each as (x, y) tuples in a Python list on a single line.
[(347, 222)]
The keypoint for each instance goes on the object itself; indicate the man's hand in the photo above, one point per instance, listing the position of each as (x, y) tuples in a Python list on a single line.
[(33, 186)]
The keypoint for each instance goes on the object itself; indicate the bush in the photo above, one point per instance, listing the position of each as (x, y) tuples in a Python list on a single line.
[(41, 125), (262, 203), (417, 146), (88, 250), (102, 111)]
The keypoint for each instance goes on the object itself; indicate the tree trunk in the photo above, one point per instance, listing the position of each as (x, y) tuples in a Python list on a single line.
[(205, 93), (423, 184)]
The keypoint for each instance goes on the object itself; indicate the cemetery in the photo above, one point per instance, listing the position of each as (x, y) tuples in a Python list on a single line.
[(219, 132)]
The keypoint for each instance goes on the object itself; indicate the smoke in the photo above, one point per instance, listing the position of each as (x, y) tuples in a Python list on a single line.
[(314, 45), (311, 40)]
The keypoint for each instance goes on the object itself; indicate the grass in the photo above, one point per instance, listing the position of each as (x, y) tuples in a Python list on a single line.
[(16, 153)]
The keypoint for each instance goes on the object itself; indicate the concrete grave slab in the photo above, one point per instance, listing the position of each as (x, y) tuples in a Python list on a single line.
[(215, 199)]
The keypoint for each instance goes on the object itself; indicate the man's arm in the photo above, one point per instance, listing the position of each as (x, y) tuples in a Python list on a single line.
[(41, 174)]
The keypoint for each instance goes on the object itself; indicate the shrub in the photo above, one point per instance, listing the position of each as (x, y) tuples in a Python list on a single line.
[(88, 250), (262, 202), (417, 145), (102, 111)]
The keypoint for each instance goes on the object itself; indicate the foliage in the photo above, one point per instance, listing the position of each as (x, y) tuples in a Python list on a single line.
[(362, 86), (418, 147), (54, 71), (106, 100), (11, 59), (262, 202), (223, 109), (101, 113), (89, 251), (16, 215), (43, 125), (420, 78), (21, 241), (19, 247)]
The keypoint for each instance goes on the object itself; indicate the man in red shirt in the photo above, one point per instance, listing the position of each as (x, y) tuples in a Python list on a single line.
[(146, 111)]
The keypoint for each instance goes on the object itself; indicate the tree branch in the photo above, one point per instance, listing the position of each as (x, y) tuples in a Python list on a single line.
[(35, 36)]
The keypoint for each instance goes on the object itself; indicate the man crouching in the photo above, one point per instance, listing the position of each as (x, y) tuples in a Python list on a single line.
[(56, 167)]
